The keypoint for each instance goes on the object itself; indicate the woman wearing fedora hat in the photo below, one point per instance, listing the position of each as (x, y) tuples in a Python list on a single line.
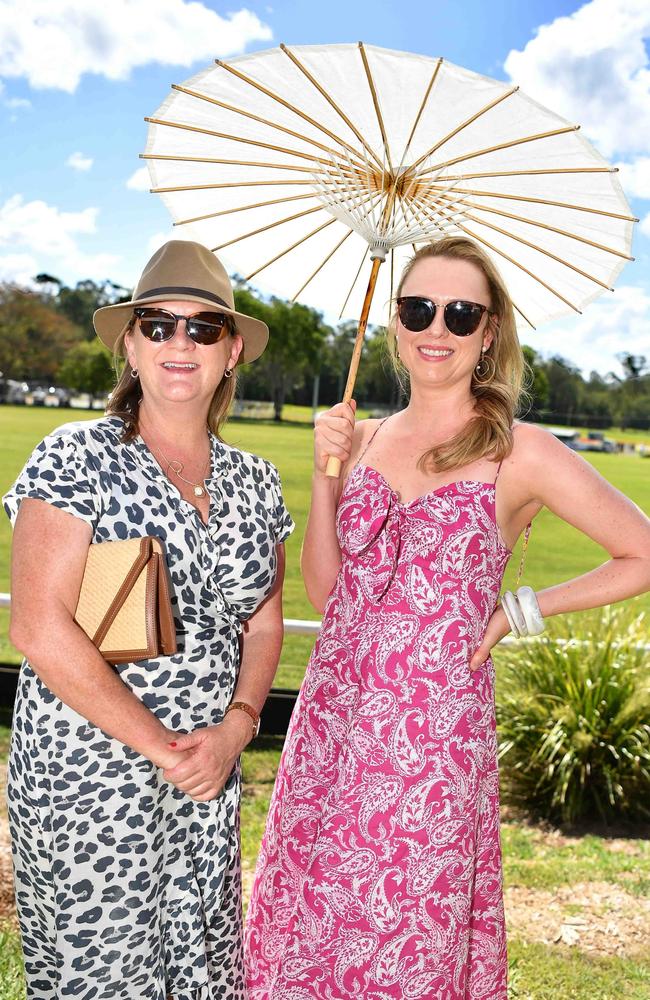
[(124, 782)]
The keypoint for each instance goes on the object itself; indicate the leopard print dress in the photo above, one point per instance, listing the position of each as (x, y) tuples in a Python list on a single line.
[(127, 888)]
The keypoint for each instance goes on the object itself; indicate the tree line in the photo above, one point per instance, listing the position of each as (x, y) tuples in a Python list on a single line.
[(46, 337)]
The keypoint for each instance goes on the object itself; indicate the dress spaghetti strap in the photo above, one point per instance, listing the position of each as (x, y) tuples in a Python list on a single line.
[(370, 440)]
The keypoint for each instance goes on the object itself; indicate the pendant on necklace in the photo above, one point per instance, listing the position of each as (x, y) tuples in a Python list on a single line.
[(199, 491)]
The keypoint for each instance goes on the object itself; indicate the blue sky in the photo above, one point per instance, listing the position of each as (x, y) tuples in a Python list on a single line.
[(77, 78)]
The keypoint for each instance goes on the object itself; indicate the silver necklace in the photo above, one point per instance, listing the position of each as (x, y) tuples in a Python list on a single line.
[(177, 468)]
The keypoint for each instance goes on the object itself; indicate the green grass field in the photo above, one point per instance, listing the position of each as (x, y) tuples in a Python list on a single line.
[(556, 551), (535, 859)]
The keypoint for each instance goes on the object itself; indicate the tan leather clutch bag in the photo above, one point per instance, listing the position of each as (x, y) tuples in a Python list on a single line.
[(124, 605)]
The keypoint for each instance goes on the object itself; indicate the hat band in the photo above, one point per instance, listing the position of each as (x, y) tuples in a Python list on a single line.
[(182, 290)]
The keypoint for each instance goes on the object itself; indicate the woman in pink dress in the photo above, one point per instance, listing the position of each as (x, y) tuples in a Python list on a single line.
[(379, 875)]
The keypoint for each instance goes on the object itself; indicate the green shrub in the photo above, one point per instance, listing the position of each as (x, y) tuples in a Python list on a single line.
[(12, 985), (574, 719)]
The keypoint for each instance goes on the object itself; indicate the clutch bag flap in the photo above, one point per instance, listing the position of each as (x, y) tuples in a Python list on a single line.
[(124, 605)]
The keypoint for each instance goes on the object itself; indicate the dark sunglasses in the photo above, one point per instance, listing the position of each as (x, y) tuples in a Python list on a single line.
[(159, 325), (461, 318)]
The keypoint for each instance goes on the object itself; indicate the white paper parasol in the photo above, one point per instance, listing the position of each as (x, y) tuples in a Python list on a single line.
[(305, 168)]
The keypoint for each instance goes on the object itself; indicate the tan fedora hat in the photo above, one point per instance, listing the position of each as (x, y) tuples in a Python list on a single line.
[(188, 271)]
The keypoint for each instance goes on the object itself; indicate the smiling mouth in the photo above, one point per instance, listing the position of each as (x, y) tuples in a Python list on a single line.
[(179, 366), (431, 352)]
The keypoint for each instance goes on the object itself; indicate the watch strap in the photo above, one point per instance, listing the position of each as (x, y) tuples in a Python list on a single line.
[(243, 706)]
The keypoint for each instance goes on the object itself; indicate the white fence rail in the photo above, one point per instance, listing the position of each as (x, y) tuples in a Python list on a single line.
[(300, 626)]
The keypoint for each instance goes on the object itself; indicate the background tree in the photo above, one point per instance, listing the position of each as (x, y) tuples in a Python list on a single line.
[(536, 382), (631, 392), (79, 303), (297, 337), (564, 381), (34, 336), (88, 367)]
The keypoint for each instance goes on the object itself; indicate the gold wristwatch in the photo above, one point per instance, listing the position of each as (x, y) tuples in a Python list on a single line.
[(250, 711)]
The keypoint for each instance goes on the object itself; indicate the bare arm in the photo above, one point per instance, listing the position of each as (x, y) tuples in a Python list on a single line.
[(213, 750), (48, 558), (582, 497), (320, 559), (547, 473), (262, 645)]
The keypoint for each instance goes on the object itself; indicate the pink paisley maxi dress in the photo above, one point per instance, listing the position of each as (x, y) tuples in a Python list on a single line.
[(379, 875)]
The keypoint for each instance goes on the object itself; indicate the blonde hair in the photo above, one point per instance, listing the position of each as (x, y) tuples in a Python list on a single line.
[(489, 433), (124, 401)]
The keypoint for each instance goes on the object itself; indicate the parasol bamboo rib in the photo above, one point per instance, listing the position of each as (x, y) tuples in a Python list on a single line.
[(235, 184), (422, 107), (245, 163), (238, 163), (495, 149), (539, 249), (537, 224), (330, 100), (530, 173), (238, 138), (333, 469), (415, 207), (465, 124), (354, 281), (523, 315), (537, 201), (245, 208), (293, 246), (485, 243), (322, 264), (375, 101), (269, 225), (256, 118), (288, 106), (521, 267)]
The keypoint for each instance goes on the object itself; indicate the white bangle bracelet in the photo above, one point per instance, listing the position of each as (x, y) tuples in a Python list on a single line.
[(514, 614), (529, 606)]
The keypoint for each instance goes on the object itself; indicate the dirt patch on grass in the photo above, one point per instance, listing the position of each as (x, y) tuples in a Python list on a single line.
[(596, 917)]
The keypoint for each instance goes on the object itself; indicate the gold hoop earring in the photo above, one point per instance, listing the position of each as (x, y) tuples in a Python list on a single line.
[(485, 369)]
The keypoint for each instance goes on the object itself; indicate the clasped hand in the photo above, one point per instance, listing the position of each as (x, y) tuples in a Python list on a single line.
[(206, 758)]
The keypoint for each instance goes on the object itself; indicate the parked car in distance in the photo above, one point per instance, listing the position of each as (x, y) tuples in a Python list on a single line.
[(12, 392), (567, 434), (596, 441), (47, 395)]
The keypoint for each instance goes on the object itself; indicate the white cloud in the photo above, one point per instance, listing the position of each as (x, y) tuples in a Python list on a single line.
[(140, 180), (18, 268), (49, 238), (616, 322), (635, 177), (17, 102), (644, 225), (593, 68), (54, 44), (13, 102), (79, 162)]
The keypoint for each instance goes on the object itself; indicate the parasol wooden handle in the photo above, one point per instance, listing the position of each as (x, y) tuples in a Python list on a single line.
[(333, 469)]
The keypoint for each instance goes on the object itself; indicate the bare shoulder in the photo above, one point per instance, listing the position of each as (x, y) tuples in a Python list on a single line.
[(535, 448), (363, 431)]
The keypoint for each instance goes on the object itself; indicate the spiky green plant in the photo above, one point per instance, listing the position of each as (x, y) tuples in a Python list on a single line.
[(573, 711)]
